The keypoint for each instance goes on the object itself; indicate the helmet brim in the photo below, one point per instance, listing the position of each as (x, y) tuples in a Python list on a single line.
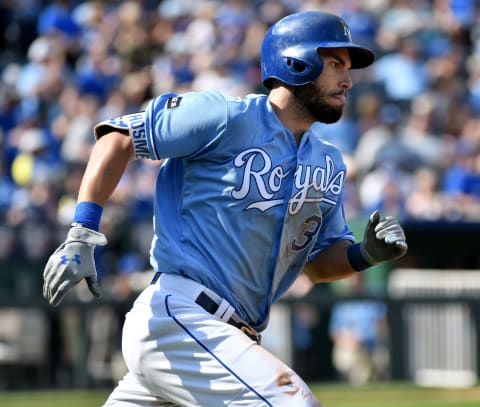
[(360, 57)]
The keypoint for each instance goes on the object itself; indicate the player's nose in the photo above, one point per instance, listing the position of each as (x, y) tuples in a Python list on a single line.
[(346, 81)]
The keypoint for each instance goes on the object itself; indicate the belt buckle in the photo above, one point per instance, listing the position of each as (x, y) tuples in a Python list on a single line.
[(251, 333), (209, 305)]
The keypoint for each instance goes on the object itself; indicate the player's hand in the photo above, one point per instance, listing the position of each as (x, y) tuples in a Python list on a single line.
[(72, 262), (384, 239)]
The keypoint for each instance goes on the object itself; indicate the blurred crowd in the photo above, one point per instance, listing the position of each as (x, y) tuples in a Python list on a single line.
[(410, 133)]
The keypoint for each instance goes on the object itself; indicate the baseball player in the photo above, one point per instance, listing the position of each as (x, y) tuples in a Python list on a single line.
[(249, 197)]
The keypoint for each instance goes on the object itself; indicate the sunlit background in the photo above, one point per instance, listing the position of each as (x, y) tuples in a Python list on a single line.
[(410, 136)]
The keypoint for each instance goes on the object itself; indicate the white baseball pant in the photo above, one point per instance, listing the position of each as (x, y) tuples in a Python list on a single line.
[(178, 354)]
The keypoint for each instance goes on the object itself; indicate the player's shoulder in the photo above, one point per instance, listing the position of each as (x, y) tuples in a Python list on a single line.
[(210, 108), (212, 97), (250, 101), (173, 101), (206, 100), (247, 109)]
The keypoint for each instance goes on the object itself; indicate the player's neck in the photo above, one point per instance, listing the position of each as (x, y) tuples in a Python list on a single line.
[(286, 108)]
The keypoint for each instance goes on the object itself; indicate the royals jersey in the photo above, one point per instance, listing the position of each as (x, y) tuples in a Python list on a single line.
[(239, 206)]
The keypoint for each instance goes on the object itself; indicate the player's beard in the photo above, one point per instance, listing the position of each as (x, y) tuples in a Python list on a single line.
[(312, 101)]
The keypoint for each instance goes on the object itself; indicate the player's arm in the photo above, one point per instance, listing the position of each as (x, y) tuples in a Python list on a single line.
[(330, 264), (73, 260), (384, 240), (107, 163)]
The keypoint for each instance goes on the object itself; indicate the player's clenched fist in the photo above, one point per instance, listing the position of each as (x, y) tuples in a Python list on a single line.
[(71, 262), (384, 239)]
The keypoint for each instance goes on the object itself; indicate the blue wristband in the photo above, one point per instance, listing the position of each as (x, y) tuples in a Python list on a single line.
[(88, 214), (356, 259)]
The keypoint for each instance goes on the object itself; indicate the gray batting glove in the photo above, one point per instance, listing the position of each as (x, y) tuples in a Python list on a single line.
[(72, 262), (384, 239)]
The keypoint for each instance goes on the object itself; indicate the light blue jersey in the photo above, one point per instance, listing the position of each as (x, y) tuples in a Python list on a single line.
[(240, 207)]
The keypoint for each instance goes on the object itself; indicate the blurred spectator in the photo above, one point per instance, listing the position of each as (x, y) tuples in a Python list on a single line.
[(425, 200), (385, 188), (461, 184), (419, 144), (399, 19), (56, 18), (34, 162), (98, 71), (375, 138), (402, 72), (473, 66), (359, 333), (362, 21)]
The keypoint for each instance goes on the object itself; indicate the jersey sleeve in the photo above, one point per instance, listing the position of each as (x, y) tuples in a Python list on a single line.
[(134, 124), (173, 125)]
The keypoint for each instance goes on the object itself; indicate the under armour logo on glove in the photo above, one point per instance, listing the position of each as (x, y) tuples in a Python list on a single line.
[(64, 259), (72, 262)]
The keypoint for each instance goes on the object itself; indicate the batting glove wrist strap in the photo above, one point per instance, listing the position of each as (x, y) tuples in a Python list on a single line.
[(357, 259), (72, 262)]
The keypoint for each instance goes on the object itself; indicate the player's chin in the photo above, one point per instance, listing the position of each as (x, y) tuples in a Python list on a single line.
[(329, 115)]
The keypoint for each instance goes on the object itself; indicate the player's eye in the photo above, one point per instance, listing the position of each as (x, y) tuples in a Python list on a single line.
[(332, 64)]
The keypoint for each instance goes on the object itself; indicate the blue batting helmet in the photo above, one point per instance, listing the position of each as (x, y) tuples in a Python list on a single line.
[(289, 49)]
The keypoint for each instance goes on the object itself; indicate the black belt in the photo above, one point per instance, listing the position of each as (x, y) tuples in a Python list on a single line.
[(209, 305)]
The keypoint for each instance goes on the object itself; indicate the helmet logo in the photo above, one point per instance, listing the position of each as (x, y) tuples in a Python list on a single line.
[(346, 31)]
